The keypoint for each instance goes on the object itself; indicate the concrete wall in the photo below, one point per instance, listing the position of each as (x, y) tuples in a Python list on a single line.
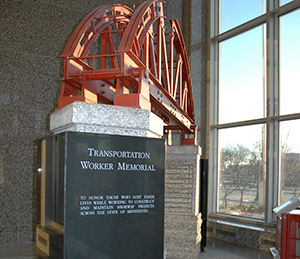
[(33, 33)]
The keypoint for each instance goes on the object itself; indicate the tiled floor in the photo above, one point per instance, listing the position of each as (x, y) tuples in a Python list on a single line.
[(215, 249)]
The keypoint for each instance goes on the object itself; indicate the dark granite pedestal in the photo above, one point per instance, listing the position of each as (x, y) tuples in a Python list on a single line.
[(107, 192)]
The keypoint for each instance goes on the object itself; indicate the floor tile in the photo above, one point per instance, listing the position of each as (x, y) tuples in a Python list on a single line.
[(215, 249)]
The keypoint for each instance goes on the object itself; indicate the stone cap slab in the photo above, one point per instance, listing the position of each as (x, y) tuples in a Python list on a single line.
[(106, 119), (186, 150)]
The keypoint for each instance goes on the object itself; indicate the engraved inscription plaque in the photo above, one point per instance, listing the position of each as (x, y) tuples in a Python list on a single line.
[(113, 196)]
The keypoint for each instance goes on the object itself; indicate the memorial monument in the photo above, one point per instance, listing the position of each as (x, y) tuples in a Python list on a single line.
[(126, 84)]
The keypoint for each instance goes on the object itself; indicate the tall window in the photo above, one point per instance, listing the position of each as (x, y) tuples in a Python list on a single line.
[(254, 107)]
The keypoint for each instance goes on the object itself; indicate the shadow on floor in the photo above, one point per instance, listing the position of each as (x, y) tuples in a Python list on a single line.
[(215, 249)]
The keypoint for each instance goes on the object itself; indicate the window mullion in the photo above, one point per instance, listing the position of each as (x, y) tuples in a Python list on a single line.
[(240, 29), (213, 88), (272, 110)]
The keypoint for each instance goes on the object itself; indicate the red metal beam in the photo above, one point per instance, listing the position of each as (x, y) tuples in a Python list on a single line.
[(135, 64)]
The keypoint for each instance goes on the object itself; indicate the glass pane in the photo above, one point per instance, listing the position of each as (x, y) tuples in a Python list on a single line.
[(283, 2), (242, 171), (290, 63), (236, 12), (241, 83), (289, 160)]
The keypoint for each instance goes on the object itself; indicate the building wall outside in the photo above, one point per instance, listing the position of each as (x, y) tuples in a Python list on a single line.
[(33, 34)]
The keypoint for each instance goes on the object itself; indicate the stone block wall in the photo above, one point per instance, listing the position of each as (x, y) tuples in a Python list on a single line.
[(256, 237)]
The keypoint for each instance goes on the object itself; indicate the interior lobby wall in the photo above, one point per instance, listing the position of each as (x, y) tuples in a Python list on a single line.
[(33, 34)]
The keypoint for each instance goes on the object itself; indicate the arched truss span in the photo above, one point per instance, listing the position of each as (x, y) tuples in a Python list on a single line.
[(122, 55)]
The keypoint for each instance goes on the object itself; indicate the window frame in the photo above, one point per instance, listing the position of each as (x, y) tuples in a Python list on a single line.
[(272, 117)]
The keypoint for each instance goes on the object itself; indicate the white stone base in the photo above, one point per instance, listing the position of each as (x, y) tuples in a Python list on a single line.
[(106, 119)]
